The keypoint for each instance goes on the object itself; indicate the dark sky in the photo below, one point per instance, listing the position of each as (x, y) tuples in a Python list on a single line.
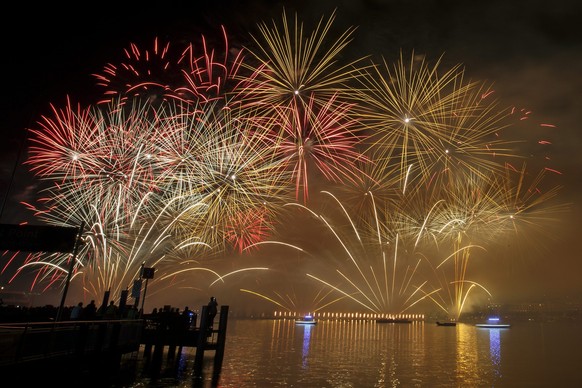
[(530, 50)]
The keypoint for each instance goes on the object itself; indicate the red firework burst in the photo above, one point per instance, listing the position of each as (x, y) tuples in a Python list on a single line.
[(247, 228)]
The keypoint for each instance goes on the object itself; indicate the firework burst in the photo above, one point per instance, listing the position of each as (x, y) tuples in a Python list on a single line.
[(430, 123), (236, 173), (316, 141), (144, 73), (93, 154), (289, 67)]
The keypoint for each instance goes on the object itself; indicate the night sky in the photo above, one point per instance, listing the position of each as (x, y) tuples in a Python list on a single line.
[(530, 50)]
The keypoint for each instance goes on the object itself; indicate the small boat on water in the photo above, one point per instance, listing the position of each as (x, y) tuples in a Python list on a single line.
[(306, 320), (493, 323), (393, 320), (446, 323)]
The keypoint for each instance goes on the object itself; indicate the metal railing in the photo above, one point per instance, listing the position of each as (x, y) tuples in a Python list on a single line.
[(24, 342)]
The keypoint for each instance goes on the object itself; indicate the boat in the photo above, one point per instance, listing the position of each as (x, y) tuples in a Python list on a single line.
[(393, 320), (306, 320), (450, 323), (493, 323)]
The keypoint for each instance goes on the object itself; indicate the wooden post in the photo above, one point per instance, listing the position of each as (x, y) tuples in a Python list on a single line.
[(159, 342), (221, 340), (201, 344)]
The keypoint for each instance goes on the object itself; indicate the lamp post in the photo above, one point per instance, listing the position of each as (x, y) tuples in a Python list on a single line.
[(147, 274)]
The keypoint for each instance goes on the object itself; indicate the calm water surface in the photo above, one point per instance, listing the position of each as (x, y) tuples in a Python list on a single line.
[(280, 353)]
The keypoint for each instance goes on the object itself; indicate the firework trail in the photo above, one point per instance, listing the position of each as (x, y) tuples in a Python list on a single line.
[(112, 253), (292, 300), (210, 76), (111, 256), (455, 289), (378, 275), (196, 74), (528, 210)]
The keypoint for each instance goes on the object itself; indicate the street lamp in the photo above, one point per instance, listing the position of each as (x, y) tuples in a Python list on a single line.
[(147, 274)]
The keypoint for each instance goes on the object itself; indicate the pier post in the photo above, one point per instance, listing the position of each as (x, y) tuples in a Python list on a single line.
[(202, 339), (221, 340)]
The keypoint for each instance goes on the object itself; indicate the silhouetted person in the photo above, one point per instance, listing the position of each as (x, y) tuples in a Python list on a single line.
[(132, 312), (111, 311), (211, 310), (90, 311), (77, 311), (187, 317)]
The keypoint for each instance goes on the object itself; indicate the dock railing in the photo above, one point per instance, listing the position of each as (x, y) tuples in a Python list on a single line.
[(33, 341)]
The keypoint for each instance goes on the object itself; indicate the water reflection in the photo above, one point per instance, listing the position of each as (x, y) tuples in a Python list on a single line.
[(306, 340), (495, 351), (467, 354), (360, 353), (349, 342)]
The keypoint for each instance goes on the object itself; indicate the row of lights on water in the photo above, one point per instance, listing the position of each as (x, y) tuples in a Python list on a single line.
[(340, 315)]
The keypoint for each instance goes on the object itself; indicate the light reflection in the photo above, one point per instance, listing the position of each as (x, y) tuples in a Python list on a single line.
[(467, 353), (306, 341), (495, 350), (340, 340)]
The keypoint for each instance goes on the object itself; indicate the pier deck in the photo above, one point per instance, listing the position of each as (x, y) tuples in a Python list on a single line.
[(23, 345)]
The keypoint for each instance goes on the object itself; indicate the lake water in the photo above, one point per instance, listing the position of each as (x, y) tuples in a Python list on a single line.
[(280, 353)]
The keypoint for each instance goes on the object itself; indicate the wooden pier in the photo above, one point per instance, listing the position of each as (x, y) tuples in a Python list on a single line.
[(103, 343), (164, 334)]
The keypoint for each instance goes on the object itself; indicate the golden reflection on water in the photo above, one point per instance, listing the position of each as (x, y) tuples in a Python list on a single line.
[(345, 337), (363, 352), (467, 353), (392, 350)]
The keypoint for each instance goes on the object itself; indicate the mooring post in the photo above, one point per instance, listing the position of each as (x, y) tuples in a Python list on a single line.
[(201, 343), (221, 339)]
